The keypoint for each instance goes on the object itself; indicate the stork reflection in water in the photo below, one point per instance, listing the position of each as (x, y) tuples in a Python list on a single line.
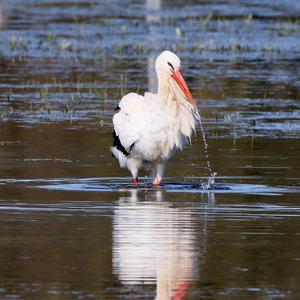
[(157, 243)]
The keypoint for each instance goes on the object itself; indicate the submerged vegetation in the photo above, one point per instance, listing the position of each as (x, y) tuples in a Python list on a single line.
[(17, 45)]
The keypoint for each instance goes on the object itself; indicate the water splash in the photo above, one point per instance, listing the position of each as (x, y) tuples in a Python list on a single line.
[(212, 175), (210, 181)]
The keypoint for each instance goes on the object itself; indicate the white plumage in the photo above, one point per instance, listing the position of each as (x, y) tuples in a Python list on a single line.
[(152, 127)]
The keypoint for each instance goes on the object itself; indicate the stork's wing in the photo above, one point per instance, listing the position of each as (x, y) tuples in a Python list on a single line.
[(126, 121)]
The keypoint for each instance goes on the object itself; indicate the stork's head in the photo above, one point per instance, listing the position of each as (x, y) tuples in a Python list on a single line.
[(168, 65)]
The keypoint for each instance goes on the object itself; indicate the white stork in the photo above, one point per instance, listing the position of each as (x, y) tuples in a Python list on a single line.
[(150, 128)]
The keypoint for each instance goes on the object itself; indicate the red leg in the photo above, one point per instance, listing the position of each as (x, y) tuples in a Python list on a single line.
[(136, 181), (181, 292), (157, 181)]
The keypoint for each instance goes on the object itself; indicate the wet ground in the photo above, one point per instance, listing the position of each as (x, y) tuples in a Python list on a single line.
[(71, 224)]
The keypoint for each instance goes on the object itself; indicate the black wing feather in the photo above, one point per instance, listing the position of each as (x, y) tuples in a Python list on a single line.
[(118, 145)]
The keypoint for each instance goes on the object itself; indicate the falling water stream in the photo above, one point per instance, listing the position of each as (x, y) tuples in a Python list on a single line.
[(212, 175)]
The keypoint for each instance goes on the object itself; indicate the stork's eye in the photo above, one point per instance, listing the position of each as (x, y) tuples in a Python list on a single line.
[(171, 66)]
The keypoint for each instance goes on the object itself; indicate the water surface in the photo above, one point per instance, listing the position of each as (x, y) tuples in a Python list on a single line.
[(73, 226)]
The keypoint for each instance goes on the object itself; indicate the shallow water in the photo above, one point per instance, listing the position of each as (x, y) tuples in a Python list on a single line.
[(74, 227)]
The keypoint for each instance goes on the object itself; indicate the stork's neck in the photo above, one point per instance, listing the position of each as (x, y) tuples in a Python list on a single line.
[(179, 111), (165, 92)]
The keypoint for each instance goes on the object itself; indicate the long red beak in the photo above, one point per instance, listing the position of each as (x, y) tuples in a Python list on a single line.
[(178, 77)]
